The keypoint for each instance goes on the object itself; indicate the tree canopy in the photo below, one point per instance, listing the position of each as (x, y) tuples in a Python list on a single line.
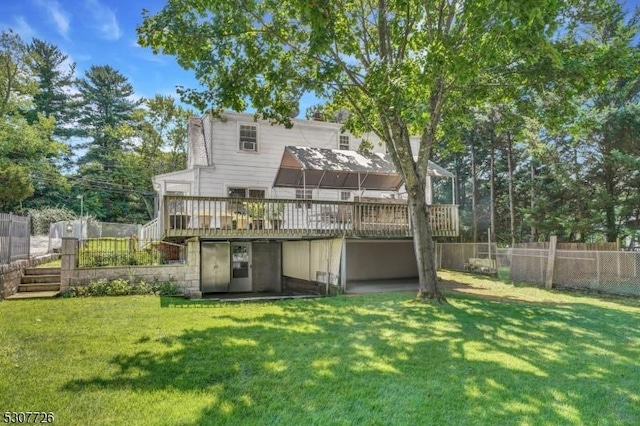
[(400, 67)]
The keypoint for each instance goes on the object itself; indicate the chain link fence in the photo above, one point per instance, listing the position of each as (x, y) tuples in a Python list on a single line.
[(613, 272)]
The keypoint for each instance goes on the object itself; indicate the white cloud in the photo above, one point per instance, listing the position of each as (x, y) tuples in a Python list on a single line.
[(57, 14), (103, 19)]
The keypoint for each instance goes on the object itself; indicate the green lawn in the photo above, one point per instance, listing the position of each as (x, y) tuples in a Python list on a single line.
[(497, 354)]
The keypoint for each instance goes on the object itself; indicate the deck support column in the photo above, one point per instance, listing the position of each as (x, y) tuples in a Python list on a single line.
[(343, 266)]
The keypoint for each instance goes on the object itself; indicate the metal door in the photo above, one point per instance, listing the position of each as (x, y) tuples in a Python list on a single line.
[(240, 267), (214, 267)]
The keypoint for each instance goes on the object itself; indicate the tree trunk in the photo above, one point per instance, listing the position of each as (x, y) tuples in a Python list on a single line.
[(534, 232), (415, 180), (474, 193), (492, 210), (512, 208), (424, 248)]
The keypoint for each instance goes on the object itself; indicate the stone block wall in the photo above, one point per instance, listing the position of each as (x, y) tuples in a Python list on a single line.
[(11, 273), (187, 275)]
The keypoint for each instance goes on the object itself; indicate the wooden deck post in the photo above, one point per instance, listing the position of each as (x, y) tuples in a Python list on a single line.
[(551, 260)]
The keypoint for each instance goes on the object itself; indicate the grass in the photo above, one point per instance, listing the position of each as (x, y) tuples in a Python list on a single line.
[(497, 354), (51, 264)]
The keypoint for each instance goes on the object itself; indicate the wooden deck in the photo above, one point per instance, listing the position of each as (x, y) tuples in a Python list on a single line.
[(189, 216)]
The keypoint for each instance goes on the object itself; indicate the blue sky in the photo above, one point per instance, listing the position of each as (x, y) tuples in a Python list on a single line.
[(98, 32), (103, 32)]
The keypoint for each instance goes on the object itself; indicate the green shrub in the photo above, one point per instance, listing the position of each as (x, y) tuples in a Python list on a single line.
[(123, 287), (142, 287), (70, 292), (119, 287), (98, 288), (41, 219), (168, 288)]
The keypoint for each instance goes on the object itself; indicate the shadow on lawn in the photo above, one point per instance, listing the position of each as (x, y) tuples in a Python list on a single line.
[(382, 360)]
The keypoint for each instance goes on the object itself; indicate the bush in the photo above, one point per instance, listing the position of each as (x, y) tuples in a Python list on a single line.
[(167, 289), (98, 288), (123, 287), (41, 219), (119, 288)]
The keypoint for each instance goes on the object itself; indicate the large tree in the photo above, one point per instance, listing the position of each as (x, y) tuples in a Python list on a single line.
[(401, 67), (17, 84), (107, 118), (55, 76), (27, 151), (107, 108)]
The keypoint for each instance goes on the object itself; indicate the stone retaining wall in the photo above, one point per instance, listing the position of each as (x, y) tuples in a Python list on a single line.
[(11, 273)]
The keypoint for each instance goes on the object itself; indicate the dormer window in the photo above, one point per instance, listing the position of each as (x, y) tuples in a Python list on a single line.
[(248, 137), (344, 143)]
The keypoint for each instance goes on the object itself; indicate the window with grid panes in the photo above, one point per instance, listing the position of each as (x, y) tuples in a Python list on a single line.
[(344, 142), (248, 137)]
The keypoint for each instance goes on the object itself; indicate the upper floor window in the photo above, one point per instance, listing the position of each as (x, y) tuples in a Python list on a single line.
[(344, 142), (246, 193), (248, 137), (304, 194), (345, 195)]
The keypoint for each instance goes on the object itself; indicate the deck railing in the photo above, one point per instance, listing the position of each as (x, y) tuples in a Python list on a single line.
[(185, 216)]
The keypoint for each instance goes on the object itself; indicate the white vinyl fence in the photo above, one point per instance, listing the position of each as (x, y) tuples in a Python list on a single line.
[(15, 237), (87, 228)]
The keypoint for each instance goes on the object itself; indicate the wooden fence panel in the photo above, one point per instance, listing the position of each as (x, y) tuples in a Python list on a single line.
[(15, 237)]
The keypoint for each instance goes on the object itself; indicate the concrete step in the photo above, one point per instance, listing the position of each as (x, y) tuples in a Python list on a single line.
[(33, 279), (34, 295), (27, 288), (42, 271)]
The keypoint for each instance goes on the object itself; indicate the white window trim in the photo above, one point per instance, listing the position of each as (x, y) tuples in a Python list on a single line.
[(166, 183), (237, 141), (340, 144), (246, 188)]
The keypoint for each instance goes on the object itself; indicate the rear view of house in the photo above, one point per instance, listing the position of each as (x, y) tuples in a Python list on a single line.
[(277, 209)]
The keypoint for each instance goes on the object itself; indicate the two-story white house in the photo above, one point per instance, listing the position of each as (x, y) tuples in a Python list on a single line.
[(280, 209)]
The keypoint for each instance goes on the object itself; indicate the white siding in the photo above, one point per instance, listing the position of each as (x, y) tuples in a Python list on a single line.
[(181, 181), (228, 166), (233, 167), (308, 260), (325, 258), (295, 259)]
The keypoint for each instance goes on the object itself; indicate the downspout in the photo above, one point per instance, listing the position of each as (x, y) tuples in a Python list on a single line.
[(204, 138)]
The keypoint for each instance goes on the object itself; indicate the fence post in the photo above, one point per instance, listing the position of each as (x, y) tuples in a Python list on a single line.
[(598, 270), (69, 259), (551, 261), (10, 237), (28, 231)]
